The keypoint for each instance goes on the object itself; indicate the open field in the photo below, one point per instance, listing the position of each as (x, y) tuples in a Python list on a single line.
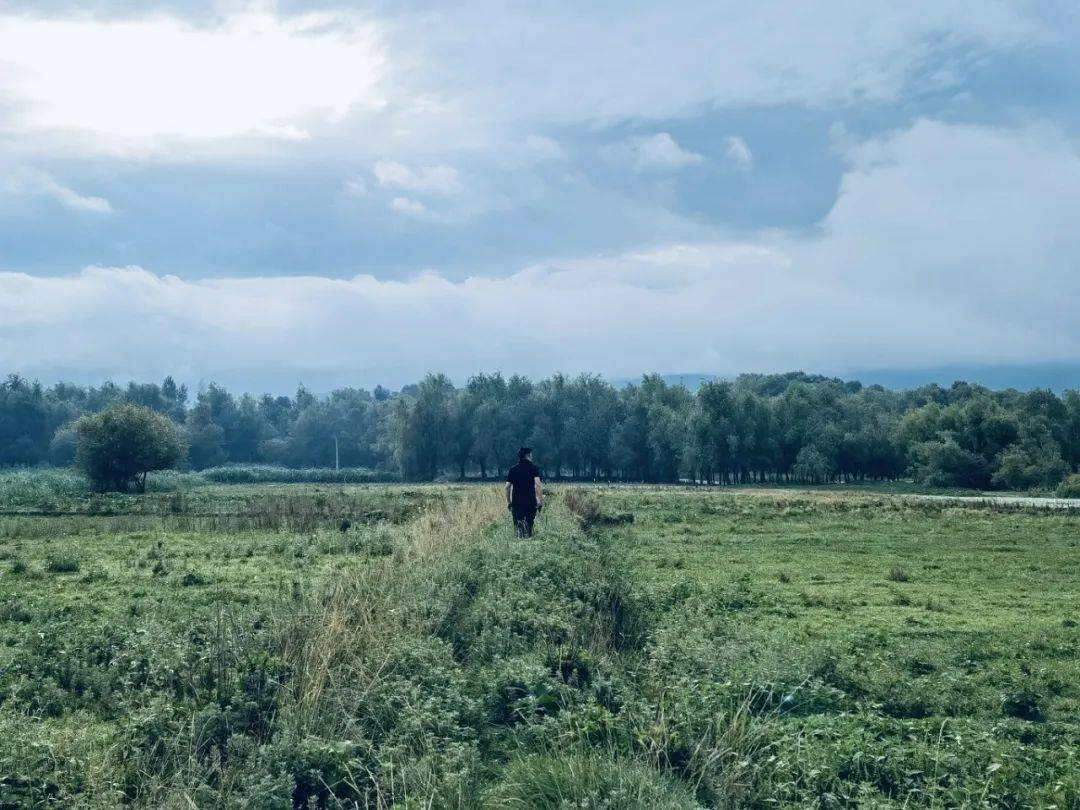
[(233, 646)]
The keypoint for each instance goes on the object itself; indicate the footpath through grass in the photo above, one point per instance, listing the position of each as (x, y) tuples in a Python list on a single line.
[(245, 647)]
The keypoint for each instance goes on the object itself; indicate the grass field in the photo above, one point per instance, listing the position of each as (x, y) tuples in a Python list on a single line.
[(242, 646)]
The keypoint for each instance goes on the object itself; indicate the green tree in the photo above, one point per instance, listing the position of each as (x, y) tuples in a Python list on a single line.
[(593, 411), (944, 463), (812, 466), (550, 430), (118, 446), (206, 441), (1033, 461), (62, 447), (420, 425)]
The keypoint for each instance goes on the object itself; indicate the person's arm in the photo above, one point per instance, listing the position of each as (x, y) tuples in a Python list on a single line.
[(539, 491), (509, 493)]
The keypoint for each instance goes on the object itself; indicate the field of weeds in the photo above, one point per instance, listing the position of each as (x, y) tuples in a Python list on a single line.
[(333, 646)]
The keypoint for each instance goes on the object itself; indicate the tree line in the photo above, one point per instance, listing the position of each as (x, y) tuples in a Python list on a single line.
[(793, 427)]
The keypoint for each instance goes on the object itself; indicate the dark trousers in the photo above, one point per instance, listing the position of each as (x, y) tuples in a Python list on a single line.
[(523, 519)]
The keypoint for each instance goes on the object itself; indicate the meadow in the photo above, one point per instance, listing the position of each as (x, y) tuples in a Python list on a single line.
[(367, 645)]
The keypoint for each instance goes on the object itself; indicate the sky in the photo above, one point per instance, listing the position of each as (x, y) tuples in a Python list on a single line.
[(263, 194)]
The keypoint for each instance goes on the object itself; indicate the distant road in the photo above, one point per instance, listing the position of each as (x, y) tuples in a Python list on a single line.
[(1004, 500)]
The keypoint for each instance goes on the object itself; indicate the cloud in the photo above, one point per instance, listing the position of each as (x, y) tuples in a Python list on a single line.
[(356, 187), (541, 147), (654, 62), (635, 312), (738, 153), (405, 205), (422, 79), (652, 153), (947, 243), (123, 84), (39, 183), (979, 215), (441, 180)]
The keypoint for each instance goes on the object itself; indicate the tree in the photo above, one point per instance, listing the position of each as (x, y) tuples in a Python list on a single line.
[(205, 440), (420, 426), (28, 419), (749, 430), (944, 463), (62, 447), (812, 466), (1033, 461), (462, 433), (550, 427), (118, 446)]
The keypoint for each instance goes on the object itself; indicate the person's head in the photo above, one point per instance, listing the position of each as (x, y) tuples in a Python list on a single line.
[(525, 454)]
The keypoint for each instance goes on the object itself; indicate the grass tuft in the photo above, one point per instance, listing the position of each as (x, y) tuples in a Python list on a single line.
[(898, 574), (62, 564)]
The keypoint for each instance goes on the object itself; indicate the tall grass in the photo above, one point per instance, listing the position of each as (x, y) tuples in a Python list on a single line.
[(411, 678), (555, 782), (39, 488), (270, 474), (341, 639)]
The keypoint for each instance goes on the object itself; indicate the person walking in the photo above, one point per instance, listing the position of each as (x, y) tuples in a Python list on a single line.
[(524, 492)]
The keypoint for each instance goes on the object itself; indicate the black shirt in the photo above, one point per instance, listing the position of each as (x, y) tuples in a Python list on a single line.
[(522, 476)]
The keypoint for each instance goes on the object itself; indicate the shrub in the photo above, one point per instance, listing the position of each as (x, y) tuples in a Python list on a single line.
[(62, 565), (121, 444), (1070, 487), (1025, 703), (898, 574), (193, 579), (588, 511), (14, 611)]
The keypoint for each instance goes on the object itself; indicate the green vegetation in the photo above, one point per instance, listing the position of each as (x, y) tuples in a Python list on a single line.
[(760, 429), (118, 446), (1070, 487), (269, 474), (338, 646)]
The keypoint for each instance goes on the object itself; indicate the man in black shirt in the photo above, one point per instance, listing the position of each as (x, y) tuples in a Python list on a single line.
[(524, 492)]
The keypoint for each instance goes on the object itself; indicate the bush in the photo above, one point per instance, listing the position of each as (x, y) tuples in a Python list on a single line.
[(121, 444), (898, 574), (62, 565), (1025, 703), (1070, 487), (588, 511)]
